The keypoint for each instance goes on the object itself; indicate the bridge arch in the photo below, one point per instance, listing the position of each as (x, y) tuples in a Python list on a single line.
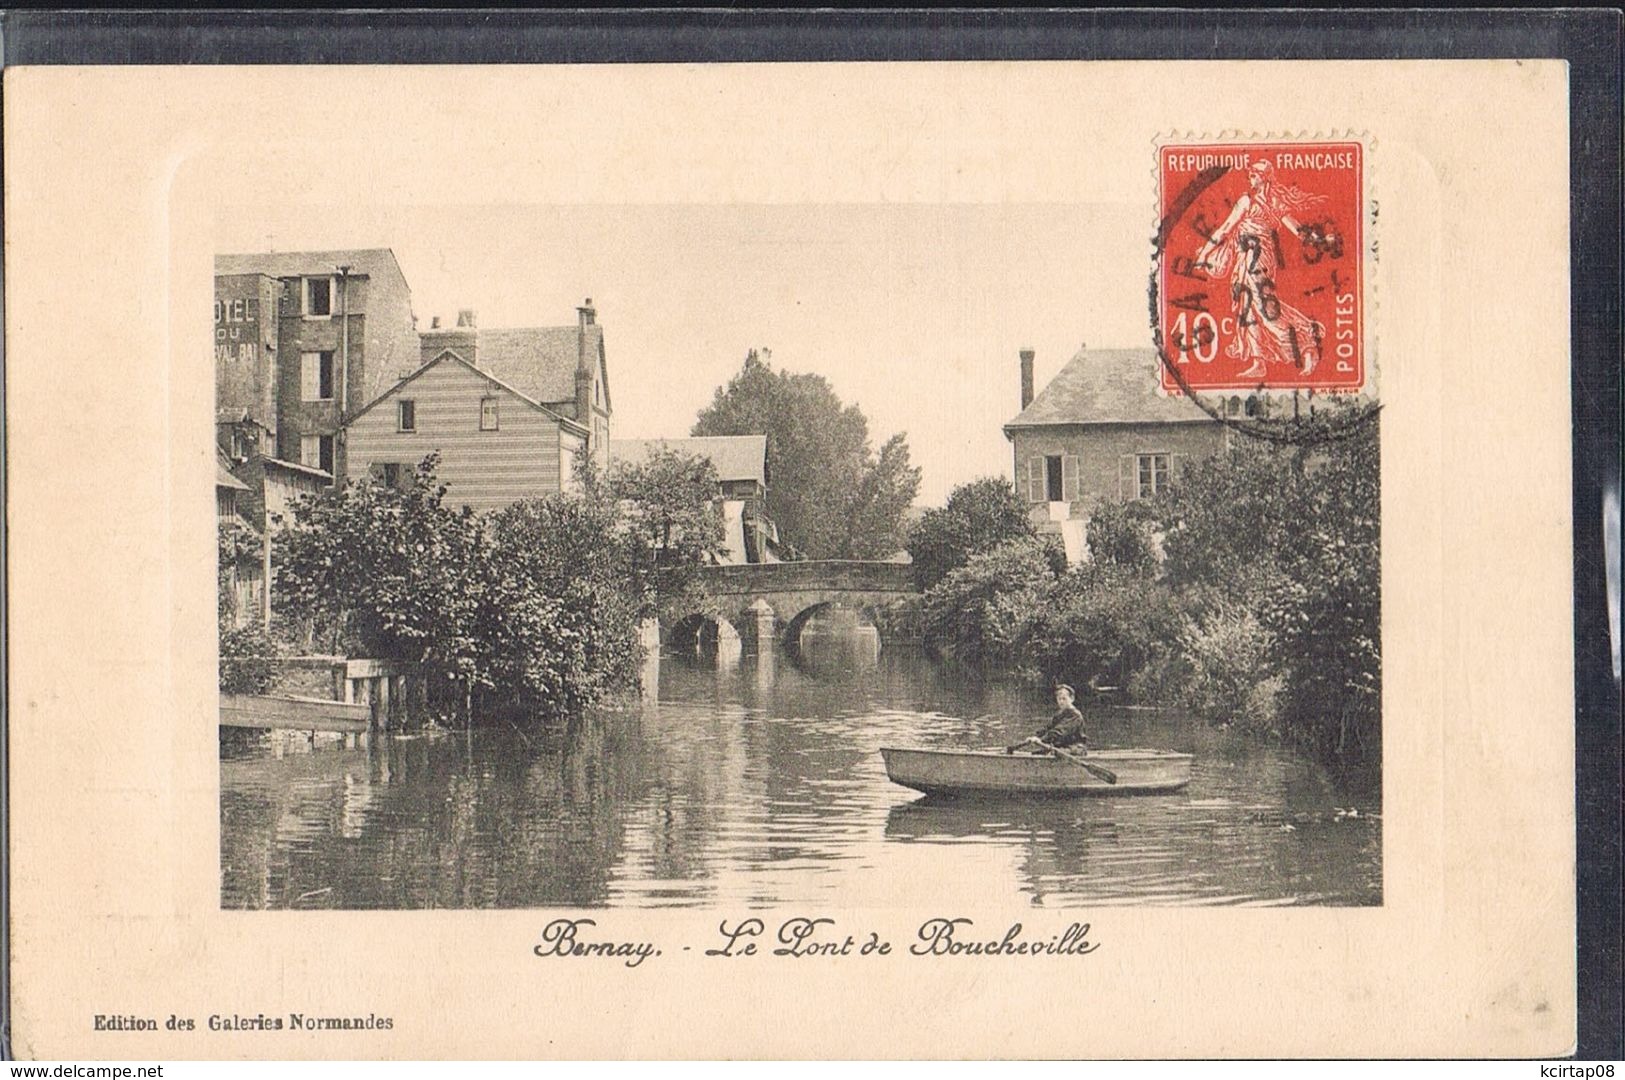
[(703, 631), (867, 611), (773, 602)]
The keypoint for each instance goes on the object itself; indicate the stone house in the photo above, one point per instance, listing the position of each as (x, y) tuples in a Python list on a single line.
[(304, 339), (1102, 431)]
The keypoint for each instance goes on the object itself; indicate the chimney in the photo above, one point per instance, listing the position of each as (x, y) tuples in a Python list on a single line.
[(1026, 377), (585, 373), (462, 339)]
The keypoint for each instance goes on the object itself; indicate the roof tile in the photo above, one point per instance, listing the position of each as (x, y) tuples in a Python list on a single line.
[(1107, 386)]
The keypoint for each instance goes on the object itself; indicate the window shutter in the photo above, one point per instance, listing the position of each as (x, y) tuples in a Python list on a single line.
[(1069, 478), (1035, 479), (310, 376), (1125, 476)]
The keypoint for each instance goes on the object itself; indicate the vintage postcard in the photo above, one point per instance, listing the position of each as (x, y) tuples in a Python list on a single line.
[(901, 560)]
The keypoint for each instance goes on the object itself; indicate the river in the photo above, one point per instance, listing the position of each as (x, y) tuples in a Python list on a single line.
[(757, 783)]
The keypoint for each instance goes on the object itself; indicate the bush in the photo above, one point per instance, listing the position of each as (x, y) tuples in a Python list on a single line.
[(1231, 677), (982, 610), (533, 608), (978, 517), (1102, 623), (557, 626), (245, 660), (1125, 535)]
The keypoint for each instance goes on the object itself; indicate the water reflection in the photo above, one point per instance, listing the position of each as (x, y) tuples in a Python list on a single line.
[(757, 781)]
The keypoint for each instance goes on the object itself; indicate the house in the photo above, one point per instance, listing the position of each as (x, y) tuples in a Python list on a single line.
[(742, 480), (1100, 431), (490, 404), (265, 489), (561, 368), (242, 581), (303, 339)]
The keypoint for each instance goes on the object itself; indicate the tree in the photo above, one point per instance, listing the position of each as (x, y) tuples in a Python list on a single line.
[(978, 516), (1102, 623), (831, 496), (983, 610), (390, 572), (556, 627), (533, 608), (1292, 534), (668, 520)]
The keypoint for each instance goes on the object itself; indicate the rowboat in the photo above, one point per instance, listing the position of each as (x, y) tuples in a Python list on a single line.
[(993, 772)]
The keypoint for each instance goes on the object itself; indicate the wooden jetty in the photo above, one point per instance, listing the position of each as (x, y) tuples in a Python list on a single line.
[(268, 713)]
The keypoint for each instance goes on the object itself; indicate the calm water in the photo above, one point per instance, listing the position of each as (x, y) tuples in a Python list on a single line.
[(751, 783)]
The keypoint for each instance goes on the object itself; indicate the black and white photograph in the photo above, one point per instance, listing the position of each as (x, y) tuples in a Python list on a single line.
[(821, 555)]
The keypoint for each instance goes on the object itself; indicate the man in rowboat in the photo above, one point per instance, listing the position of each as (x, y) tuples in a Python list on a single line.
[(1064, 729)]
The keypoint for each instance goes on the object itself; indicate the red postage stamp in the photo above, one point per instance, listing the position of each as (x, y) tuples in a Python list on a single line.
[(1260, 278)]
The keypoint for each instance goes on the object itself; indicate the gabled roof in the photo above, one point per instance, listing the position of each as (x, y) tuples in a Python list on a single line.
[(280, 264), (1107, 386), (453, 356), (736, 457), (540, 361)]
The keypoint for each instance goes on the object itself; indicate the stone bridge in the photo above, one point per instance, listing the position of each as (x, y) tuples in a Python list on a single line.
[(758, 603)]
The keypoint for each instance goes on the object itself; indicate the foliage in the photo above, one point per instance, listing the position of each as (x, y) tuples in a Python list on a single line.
[(978, 516), (831, 496), (387, 572), (1248, 593), (1126, 535), (1293, 534), (533, 608), (245, 660), (1101, 624), (556, 626), (668, 523), (239, 550), (886, 489), (1231, 674), (981, 611)]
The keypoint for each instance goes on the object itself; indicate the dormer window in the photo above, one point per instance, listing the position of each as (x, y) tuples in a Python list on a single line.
[(317, 298)]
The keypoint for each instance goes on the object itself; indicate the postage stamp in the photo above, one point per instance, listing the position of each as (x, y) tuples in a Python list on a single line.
[(1259, 279)]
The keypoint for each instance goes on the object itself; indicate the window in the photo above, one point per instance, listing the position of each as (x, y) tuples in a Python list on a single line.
[(488, 414), (318, 298), (1153, 475), (1052, 478), (316, 376), (406, 414), (316, 451), (391, 474)]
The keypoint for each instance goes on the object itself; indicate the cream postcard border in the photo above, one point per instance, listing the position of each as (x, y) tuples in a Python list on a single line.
[(112, 176)]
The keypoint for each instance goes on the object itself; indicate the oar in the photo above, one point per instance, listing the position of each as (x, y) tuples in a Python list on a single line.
[(1092, 769)]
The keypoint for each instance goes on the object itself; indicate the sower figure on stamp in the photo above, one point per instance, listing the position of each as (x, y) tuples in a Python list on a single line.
[(1065, 728), (1246, 248)]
